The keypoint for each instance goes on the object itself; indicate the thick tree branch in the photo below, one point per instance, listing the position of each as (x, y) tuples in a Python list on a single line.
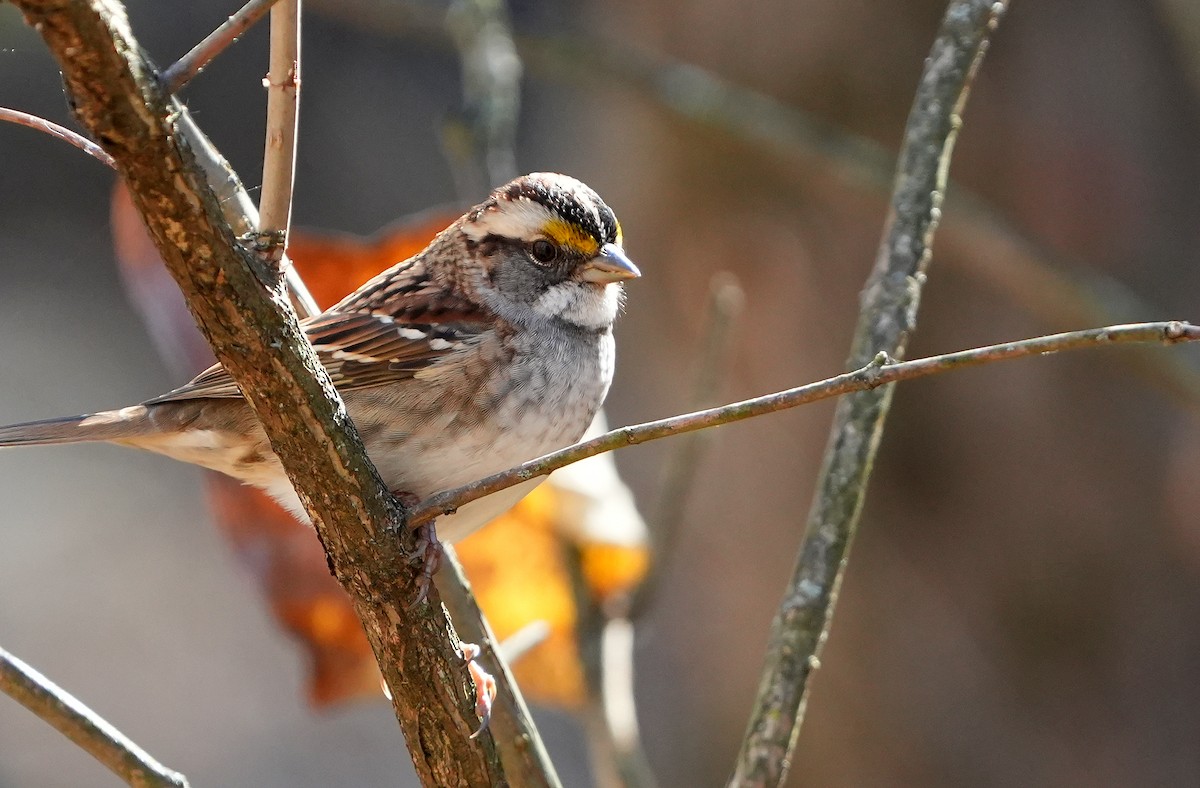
[(886, 321), (83, 726), (242, 308)]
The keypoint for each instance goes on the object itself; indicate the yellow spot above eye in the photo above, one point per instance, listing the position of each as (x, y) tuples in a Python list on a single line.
[(571, 237)]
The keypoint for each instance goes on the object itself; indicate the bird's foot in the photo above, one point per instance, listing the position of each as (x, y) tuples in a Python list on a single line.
[(485, 686), (428, 553)]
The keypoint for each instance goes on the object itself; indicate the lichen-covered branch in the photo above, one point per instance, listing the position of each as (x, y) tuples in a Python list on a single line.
[(886, 321), (241, 305)]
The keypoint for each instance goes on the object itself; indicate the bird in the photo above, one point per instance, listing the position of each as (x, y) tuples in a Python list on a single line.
[(492, 346)]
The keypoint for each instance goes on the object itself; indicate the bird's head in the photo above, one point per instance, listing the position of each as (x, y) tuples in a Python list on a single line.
[(549, 248)]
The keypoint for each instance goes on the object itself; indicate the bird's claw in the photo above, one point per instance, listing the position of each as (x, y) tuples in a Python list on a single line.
[(428, 552), (485, 686)]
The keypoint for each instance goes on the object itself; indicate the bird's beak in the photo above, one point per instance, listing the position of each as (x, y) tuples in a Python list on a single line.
[(610, 265)]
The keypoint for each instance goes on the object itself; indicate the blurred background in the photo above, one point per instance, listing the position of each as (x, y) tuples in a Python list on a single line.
[(1023, 601)]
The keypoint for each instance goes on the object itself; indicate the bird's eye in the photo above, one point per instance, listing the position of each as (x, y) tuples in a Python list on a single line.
[(543, 251)]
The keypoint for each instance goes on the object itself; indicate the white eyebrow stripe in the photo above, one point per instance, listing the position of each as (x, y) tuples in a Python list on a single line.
[(521, 219)]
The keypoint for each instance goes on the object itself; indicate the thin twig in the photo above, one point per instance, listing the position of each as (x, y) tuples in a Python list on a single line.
[(606, 633), (216, 42), (610, 719), (84, 727), (55, 130), (886, 321), (880, 371), (283, 106), (514, 647)]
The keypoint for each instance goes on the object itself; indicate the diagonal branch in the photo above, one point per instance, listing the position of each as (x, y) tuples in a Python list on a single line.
[(183, 70), (83, 726), (1057, 289), (886, 321), (241, 305)]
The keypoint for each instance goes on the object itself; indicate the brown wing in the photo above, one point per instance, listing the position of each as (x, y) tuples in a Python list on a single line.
[(391, 328)]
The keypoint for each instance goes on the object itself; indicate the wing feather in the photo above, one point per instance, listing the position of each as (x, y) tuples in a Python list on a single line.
[(393, 327)]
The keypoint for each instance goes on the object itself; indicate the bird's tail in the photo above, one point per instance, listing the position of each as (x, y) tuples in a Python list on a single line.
[(112, 425)]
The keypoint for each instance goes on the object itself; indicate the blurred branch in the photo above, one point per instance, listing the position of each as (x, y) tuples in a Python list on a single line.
[(524, 640), (491, 73), (610, 719), (526, 763), (83, 726), (607, 641), (1182, 20), (1060, 290), (879, 372), (887, 319), (726, 300), (182, 71), (283, 108), (241, 306), (55, 130)]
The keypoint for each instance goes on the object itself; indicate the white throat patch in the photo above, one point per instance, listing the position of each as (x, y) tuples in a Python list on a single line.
[(583, 305)]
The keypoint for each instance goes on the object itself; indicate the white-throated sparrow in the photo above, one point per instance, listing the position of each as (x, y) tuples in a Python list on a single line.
[(491, 347)]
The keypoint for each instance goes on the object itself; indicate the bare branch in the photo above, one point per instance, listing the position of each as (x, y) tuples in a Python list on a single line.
[(55, 130), (726, 300), (880, 371), (216, 42), (241, 306), (886, 321), (236, 206), (83, 726), (283, 107), (610, 720)]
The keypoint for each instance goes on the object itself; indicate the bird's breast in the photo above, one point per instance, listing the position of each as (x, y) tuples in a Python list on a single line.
[(491, 416)]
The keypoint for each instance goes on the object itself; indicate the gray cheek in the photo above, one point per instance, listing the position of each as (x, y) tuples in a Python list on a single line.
[(515, 278)]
